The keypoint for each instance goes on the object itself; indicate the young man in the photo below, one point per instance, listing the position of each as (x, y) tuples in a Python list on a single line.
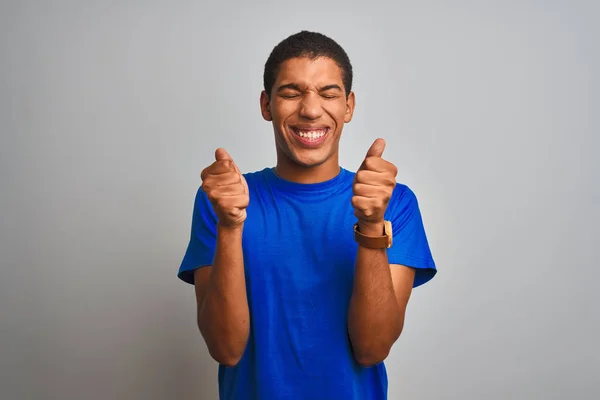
[(303, 271)]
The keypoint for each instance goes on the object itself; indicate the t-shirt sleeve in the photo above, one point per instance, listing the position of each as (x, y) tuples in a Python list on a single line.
[(203, 238), (410, 246)]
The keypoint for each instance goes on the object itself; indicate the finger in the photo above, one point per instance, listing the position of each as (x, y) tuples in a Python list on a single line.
[(376, 149), (229, 178), (231, 202), (217, 168), (228, 190), (374, 178), (241, 177), (222, 155), (374, 203), (366, 177), (369, 191), (246, 190), (362, 202), (364, 206), (378, 164)]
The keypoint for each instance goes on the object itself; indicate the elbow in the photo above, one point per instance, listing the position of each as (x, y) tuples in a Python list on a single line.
[(373, 350), (370, 357), (225, 349), (226, 354), (229, 360)]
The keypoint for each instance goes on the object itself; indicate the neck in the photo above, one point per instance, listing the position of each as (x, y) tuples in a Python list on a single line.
[(291, 171)]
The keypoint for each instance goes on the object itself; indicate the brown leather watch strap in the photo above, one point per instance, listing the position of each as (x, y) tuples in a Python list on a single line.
[(374, 242)]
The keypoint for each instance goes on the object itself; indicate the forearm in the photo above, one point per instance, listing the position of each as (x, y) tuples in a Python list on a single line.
[(223, 316), (374, 319)]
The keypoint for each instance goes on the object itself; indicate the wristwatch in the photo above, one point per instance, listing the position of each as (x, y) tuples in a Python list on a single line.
[(375, 242)]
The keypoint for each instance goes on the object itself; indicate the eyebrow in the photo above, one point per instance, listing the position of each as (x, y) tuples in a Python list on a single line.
[(294, 86), (330, 87)]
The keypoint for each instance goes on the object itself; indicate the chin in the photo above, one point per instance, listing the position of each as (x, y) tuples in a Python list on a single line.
[(309, 160)]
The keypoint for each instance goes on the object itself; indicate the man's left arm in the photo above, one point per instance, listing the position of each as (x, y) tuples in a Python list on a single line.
[(382, 290), (378, 304)]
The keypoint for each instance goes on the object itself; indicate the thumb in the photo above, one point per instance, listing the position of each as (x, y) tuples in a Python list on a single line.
[(222, 155), (376, 149)]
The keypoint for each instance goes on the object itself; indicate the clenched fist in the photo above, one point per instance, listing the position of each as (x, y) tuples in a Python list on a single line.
[(226, 189), (372, 189)]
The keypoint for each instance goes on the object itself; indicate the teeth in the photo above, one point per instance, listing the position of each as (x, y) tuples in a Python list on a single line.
[(312, 135)]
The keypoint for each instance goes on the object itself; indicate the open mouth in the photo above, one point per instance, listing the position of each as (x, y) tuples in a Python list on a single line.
[(310, 136)]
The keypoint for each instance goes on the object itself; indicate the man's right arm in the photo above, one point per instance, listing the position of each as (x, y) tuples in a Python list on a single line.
[(223, 316), (222, 306)]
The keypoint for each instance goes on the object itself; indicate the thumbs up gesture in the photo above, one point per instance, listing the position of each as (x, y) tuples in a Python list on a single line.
[(372, 189), (226, 189)]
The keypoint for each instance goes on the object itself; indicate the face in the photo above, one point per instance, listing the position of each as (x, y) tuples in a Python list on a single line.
[(308, 107)]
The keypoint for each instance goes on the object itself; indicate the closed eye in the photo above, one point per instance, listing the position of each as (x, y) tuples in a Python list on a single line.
[(289, 95), (331, 91), (289, 91)]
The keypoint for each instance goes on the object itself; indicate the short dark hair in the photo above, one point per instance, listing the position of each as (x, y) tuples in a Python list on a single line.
[(307, 44)]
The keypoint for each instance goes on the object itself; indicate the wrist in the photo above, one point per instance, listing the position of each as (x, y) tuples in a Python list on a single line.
[(230, 228)]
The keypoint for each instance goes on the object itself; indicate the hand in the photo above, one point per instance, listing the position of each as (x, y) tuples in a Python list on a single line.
[(373, 186), (226, 189)]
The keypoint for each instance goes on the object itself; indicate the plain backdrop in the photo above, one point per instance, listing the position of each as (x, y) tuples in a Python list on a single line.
[(110, 110)]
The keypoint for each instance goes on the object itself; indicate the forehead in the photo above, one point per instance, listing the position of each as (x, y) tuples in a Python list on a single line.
[(306, 71)]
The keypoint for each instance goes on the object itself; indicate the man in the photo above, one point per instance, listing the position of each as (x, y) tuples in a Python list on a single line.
[(303, 271)]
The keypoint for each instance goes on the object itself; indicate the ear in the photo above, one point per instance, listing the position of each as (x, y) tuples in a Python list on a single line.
[(265, 106), (350, 103)]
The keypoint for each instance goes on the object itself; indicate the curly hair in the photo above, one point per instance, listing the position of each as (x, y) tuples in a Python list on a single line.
[(307, 44)]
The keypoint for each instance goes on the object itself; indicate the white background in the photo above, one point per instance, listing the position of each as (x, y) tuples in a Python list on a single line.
[(110, 110)]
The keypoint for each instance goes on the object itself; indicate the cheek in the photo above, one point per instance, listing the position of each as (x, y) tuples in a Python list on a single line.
[(337, 112), (281, 111)]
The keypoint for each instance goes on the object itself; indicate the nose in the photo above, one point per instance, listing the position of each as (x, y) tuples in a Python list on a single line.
[(310, 107)]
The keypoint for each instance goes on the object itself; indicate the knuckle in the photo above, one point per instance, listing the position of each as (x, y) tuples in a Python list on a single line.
[(210, 193), (222, 165), (225, 178), (221, 203), (229, 165), (224, 202), (370, 162)]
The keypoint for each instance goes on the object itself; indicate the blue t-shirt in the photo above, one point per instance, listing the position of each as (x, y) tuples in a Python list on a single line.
[(299, 254)]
